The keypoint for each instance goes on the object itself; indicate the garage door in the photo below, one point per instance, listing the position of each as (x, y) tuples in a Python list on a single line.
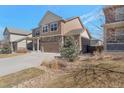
[(50, 47)]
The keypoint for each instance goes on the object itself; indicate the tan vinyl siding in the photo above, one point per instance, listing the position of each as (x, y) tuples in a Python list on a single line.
[(84, 34), (70, 25), (21, 44), (58, 31), (14, 37), (48, 18)]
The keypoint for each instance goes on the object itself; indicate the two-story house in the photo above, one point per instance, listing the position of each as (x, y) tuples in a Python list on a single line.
[(52, 29), (16, 38), (114, 28)]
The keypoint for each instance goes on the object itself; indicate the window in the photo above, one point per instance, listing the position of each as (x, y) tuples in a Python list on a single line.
[(33, 33), (53, 26), (111, 36), (45, 28), (37, 33), (119, 15), (120, 35), (115, 35)]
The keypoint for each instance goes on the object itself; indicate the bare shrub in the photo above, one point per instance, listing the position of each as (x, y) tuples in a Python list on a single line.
[(101, 75), (54, 64), (116, 58), (6, 49)]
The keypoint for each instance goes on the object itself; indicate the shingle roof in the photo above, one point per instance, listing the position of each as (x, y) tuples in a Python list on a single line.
[(70, 18), (24, 38), (18, 31)]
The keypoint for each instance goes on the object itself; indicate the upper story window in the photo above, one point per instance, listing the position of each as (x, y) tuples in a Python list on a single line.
[(119, 14), (115, 35), (53, 26), (120, 35), (37, 33), (45, 28)]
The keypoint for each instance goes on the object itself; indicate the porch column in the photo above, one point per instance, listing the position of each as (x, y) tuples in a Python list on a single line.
[(105, 41), (26, 44), (80, 43), (62, 40), (37, 44), (33, 45), (11, 44)]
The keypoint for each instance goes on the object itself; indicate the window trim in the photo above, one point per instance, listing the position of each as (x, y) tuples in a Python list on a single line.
[(37, 33), (116, 35), (47, 29), (53, 23)]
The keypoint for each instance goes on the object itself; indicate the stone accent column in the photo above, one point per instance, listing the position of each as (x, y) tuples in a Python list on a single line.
[(80, 43), (26, 44), (37, 44), (105, 41), (62, 40)]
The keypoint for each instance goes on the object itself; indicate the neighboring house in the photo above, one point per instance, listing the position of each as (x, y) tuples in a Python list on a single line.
[(96, 42), (114, 28), (1, 45), (52, 30), (96, 45), (16, 38)]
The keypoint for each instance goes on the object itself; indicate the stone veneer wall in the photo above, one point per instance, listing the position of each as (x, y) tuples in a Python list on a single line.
[(114, 47)]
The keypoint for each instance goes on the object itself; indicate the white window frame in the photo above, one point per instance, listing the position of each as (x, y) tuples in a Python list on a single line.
[(45, 28), (119, 14), (53, 26), (117, 34)]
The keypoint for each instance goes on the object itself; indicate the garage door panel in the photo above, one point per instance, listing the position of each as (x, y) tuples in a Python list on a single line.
[(50, 46)]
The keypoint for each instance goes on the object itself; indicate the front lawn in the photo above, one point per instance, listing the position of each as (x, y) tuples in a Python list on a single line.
[(18, 77), (91, 72)]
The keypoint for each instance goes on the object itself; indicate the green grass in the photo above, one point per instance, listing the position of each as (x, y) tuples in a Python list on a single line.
[(18, 77)]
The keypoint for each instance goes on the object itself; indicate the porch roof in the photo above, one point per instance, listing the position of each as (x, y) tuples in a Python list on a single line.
[(115, 24), (74, 32)]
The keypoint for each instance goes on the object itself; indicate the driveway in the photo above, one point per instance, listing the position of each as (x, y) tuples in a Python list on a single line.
[(17, 63)]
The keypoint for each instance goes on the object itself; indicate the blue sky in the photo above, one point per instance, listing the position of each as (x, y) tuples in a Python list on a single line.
[(28, 17)]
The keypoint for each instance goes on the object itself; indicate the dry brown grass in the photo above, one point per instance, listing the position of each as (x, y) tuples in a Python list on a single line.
[(94, 72), (18, 77), (22, 50), (54, 64)]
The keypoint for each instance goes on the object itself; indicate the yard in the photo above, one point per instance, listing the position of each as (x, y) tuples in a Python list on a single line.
[(93, 72), (87, 71), (21, 76)]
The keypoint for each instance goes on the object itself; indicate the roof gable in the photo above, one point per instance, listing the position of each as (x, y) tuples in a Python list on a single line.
[(49, 17), (5, 31), (86, 34), (17, 31)]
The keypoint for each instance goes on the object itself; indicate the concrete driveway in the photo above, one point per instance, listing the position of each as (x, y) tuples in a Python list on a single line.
[(17, 63)]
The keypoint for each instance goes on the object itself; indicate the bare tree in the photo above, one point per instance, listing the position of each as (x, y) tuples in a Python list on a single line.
[(95, 20)]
